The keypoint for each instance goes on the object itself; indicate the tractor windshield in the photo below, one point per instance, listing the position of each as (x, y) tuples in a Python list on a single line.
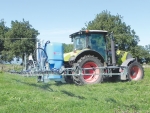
[(80, 42)]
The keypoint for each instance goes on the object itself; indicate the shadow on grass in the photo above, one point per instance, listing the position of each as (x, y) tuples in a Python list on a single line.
[(72, 95), (111, 100), (44, 86), (113, 79), (131, 106)]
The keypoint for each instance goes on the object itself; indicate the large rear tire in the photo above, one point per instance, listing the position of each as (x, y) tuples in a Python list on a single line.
[(94, 74), (136, 71)]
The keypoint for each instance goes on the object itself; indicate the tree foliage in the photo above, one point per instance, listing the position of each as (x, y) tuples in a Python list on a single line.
[(124, 35), (147, 47), (3, 30), (140, 53), (68, 48), (19, 39)]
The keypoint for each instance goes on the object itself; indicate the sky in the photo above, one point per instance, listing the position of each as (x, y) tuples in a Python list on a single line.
[(57, 19)]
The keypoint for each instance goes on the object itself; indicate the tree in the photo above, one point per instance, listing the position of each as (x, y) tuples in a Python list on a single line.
[(3, 30), (124, 35), (147, 47), (140, 53), (20, 39), (68, 48)]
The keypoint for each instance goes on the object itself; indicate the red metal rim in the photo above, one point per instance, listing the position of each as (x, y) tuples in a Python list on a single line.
[(135, 72), (91, 77)]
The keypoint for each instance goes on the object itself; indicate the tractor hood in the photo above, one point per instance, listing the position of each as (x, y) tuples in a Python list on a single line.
[(67, 56), (72, 54)]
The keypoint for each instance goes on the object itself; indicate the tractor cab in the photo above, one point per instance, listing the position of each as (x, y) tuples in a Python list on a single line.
[(90, 39)]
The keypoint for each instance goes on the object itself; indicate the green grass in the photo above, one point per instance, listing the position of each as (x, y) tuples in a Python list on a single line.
[(9, 67), (20, 94)]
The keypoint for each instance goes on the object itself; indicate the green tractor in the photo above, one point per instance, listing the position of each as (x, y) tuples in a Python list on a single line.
[(96, 61)]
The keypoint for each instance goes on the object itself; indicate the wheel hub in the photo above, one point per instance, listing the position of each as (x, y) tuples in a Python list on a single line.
[(91, 75)]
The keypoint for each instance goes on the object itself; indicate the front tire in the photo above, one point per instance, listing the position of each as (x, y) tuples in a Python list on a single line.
[(135, 72), (94, 74)]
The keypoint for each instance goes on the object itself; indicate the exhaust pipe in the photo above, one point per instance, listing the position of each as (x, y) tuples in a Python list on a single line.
[(113, 52)]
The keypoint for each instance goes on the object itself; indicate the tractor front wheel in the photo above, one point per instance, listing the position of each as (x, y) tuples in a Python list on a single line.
[(136, 71), (90, 76)]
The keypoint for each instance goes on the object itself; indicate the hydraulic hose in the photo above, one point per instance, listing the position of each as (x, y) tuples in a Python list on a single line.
[(42, 50), (44, 53)]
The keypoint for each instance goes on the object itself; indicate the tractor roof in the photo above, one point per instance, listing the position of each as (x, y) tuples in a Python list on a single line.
[(89, 31)]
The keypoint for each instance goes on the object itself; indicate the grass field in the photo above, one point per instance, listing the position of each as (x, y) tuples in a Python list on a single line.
[(20, 94)]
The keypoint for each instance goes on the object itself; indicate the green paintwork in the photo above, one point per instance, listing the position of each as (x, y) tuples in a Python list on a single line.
[(121, 54), (74, 53), (67, 56)]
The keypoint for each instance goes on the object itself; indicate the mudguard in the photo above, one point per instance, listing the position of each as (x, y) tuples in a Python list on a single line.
[(124, 71), (126, 62), (122, 56), (69, 55), (79, 53)]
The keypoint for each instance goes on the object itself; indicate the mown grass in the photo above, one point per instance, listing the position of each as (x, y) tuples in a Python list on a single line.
[(20, 94)]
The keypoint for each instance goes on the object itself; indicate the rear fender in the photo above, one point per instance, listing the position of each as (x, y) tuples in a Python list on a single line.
[(71, 55), (124, 71), (89, 52), (128, 61)]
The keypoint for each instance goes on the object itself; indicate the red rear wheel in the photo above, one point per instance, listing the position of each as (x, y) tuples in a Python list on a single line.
[(135, 71), (90, 76), (93, 73)]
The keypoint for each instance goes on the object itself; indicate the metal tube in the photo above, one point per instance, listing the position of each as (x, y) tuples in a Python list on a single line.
[(37, 51), (113, 52), (25, 61)]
